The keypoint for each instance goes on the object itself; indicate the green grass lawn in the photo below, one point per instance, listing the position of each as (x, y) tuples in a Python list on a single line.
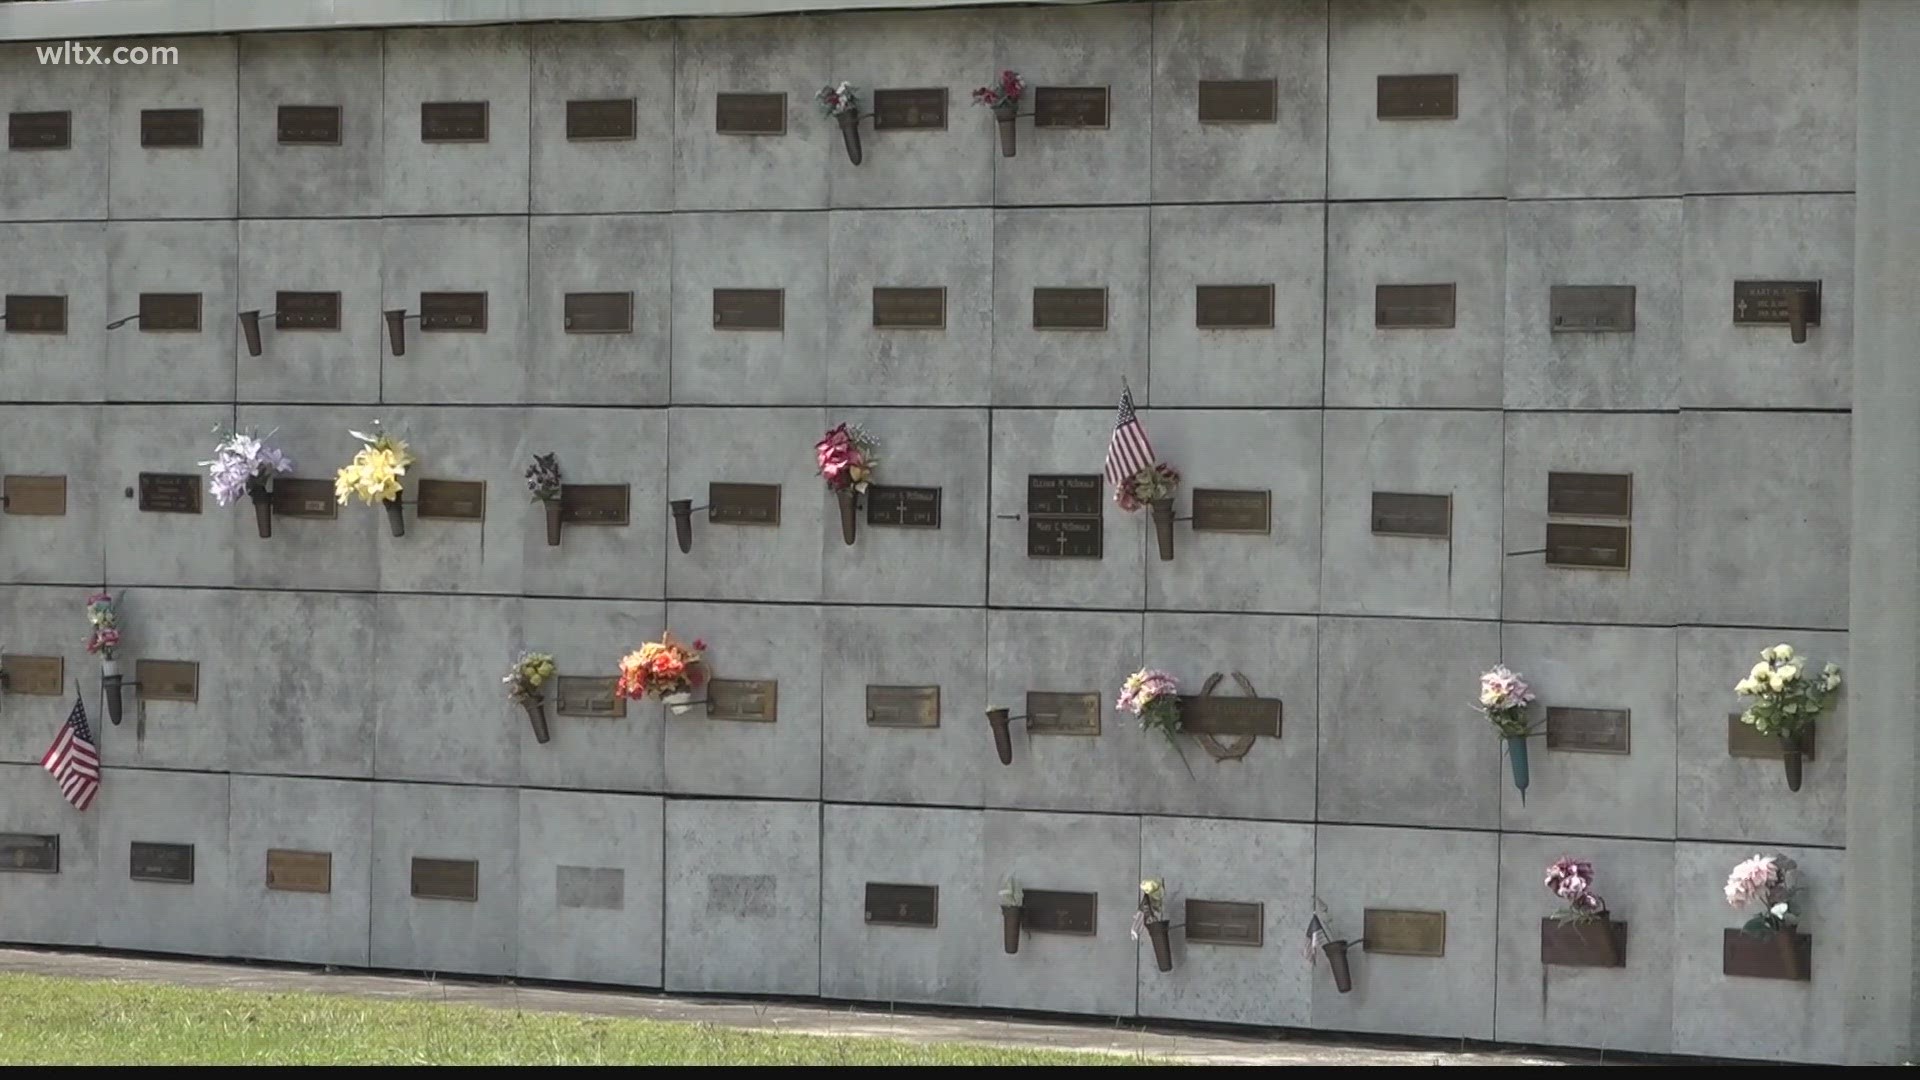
[(50, 1021)]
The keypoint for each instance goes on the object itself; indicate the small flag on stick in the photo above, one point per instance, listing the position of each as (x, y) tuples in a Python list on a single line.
[(1128, 451), (73, 759)]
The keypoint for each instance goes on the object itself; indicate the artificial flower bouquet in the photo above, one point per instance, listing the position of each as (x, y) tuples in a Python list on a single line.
[(841, 101), (1572, 881), (1787, 699), (846, 457), (103, 638), (1504, 697), (664, 669), (1151, 915), (1766, 883), (1581, 933), (543, 482), (374, 474), (530, 671), (1003, 97), (1154, 696), (245, 463), (1153, 487)]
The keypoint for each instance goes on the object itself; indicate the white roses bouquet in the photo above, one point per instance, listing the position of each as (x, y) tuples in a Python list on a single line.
[(1787, 696)]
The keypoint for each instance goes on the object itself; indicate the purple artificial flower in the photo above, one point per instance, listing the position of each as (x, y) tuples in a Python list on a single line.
[(241, 460)]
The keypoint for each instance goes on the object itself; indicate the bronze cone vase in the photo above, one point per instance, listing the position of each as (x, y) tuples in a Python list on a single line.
[(849, 500), (1793, 757), (1010, 915), (1004, 114), (1162, 944), (396, 517), (535, 707), (262, 508), (1162, 510), (1002, 735), (553, 521), (850, 133), (1342, 971), (682, 510)]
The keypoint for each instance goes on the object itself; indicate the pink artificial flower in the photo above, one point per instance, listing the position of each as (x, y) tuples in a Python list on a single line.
[(1751, 880)]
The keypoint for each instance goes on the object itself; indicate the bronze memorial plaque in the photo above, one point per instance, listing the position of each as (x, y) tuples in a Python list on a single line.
[(36, 314), (306, 311), (903, 905), (309, 125), (1590, 731), (1601, 495), (170, 493), (1227, 510), (29, 853), (743, 504), (749, 309), (1070, 494), (1590, 309), (453, 311), (1070, 309), (589, 695), (1764, 303), (903, 507), (299, 871), (167, 680), (35, 496), (1405, 933), (1211, 715), (750, 114), (171, 863), (1070, 106), (594, 504), (1233, 307), (1745, 741), (903, 706), (1051, 912), (310, 498), (39, 130), (1239, 101), (453, 121), (1053, 713), (453, 500), (1413, 307), (600, 121), (1064, 516), (601, 888), (1050, 537), (751, 700), (919, 109), (1589, 547), (40, 676), (1397, 513), (1417, 97), (445, 879), (170, 128), (598, 313), (910, 308), (170, 312), (1225, 922)]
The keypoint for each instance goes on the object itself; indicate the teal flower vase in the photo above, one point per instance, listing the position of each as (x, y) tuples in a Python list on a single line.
[(1517, 757)]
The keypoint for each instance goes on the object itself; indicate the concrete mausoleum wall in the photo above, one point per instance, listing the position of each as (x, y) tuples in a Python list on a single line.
[(349, 697)]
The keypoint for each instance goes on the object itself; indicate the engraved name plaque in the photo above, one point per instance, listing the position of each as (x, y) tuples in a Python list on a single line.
[(309, 125), (903, 706), (445, 879), (1589, 547), (1225, 510), (749, 700), (453, 500), (1070, 494), (449, 312), (588, 695), (1402, 514), (910, 308), (1413, 307), (749, 309), (170, 128), (1589, 731), (1206, 714), (1053, 713), (750, 114), (1070, 106), (594, 504), (1233, 307), (598, 313), (1225, 922), (171, 863), (1050, 912), (39, 130), (1590, 309), (599, 888), (1069, 309), (170, 312), (29, 853), (1405, 933), (36, 314), (1601, 495), (300, 871), (903, 905), (921, 109), (1064, 538), (170, 493), (1417, 97), (1239, 101), (743, 504), (167, 680), (39, 676), (1745, 741), (600, 121), (35, 496), (1766, 303), (903, 507), (297, 498), (306, 311), (453, 121), (1064, 516)]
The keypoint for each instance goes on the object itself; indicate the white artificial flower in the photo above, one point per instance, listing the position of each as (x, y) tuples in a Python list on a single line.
[(1778, 911), (1746, 687), (1830, 682), (1783, 650), (1760, 670), (1774, 682), (1789, 673), (1831, 668)]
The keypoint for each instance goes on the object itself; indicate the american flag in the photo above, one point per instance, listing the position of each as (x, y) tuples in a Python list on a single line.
[(1128, 451), (73, 759), (1316, 937)]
